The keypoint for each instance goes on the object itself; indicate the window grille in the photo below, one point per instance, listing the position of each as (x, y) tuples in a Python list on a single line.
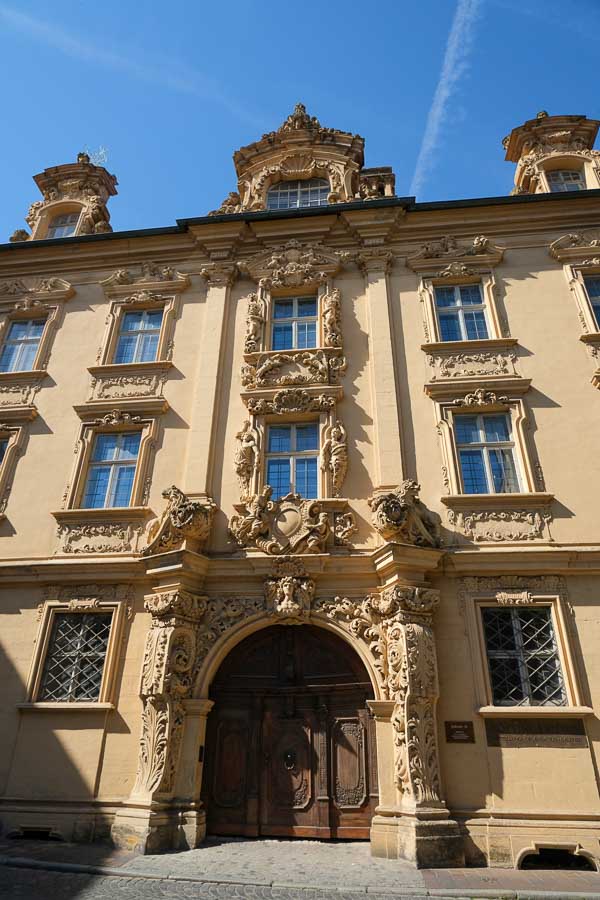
[(523, 657), (21, 345), (592, 286), (292, 459), (112, 470), (63, 225), (298, 194), (486, 454), (565, 180), (294, 323), (461, 312), (138, 336), (75, 657)]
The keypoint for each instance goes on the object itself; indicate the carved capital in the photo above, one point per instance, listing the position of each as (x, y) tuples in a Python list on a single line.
[(372, 260)]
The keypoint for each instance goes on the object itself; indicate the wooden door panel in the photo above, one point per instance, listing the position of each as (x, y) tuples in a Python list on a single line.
[(289, 768), (349, 763), (230, 773)]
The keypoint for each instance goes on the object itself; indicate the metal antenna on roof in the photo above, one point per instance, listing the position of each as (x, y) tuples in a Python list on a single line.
[(97, 157)]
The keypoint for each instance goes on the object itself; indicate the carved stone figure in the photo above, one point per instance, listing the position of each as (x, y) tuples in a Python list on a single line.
[(183, 520), (332, 318), (289, 592), (246, 457), (335, 455), (401, 517), (255, 323), (288, 525)]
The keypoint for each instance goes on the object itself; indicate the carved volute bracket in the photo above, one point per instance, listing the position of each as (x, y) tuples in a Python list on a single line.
[(185, 522)]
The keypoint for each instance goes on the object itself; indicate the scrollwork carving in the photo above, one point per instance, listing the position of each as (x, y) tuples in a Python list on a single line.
[(290, 524), (183, 519), (400, 516), (292, 400)]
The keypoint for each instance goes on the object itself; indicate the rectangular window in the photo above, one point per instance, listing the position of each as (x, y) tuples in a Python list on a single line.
[(565, 180), (21, 345), (592, 286), (138, 336), (461, 312), (486, 454), (294, 323), (523, 657), (3, 448), (112, 470), (75, 657), (292, 459)]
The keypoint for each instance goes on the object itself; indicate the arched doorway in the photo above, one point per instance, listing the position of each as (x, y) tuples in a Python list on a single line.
[(290, 745)]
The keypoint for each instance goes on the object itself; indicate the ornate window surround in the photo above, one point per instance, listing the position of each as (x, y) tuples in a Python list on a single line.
[(487, 282), (508, 590), (21, 301), (16, 430), (79, 599)]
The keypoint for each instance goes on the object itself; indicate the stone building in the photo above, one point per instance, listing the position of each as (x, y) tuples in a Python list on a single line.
[(298, 508)]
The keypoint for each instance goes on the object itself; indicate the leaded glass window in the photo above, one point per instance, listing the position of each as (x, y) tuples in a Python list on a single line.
[(21, 345), (486, 454), (565, 180), (298, 194), (63, 225), (294, 323), (75, 656), (461, 312), (522, 656), (138, 336), (592, 286), (292, 459), (112, 470)]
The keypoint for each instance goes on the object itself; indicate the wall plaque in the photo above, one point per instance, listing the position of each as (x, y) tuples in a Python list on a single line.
[(535, 733), (459, 732)]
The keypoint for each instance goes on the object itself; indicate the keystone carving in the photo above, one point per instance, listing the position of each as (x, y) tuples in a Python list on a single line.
[(480, 397), (288, 525), (183, 520), (335, 455), (293, 264), (289, 592), (399, 516)]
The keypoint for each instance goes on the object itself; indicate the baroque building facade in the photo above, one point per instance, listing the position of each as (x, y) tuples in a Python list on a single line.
[(292, 537)]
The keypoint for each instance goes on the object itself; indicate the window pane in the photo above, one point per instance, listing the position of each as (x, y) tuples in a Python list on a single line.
[(475, 325), (8, 357), (278, 476), (130, 445), (306, 476), (28, 355), (283, 337), (473, 472), (499, 630), (105, 447), (18, 331), (466, 430), (122, 486), (470, 295), (507, 684), (3, 446), (283, 309), (307, 307), (445, 296), (75, 657), (280, 440), (125, 351), (148, 347), (503, 471), (307, 437), (307, 334), (294, 194), (596, 311), (36, 328), (153, 319), (132, 321), (593, 287), (496, 428), (450, 327), (96, 487)]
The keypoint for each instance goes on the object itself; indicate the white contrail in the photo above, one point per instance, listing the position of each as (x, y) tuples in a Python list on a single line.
[(458, 48), (187, 81)]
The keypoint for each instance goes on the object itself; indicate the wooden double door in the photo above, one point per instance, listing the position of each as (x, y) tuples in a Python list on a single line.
[(290, 748)]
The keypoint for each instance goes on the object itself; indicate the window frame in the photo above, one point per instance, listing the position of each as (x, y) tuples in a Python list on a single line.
[(485, 446), (561, 170), (76, 213), (119, 608), (294, 320), (293, 454), (113, 465), (496, 323), (458, 311), (118, 309), (275, 186), (15, 433)]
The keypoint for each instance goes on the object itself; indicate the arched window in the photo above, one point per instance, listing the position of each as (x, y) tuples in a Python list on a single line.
[(63, 225), (565, 180), (298, 194)]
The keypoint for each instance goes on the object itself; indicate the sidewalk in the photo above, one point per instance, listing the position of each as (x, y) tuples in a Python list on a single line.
[(291, 868)]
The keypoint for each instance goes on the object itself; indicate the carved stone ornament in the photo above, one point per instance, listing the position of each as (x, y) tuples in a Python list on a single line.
[(289, 592), (498, 525), (399, 516), (293, 264), (117, 417), (576, 247), (293, 368), (449, 365), (149, 272), (479, 249), (184, 519), (512, 589), (344, 526), (289, 525), (513, 598), (480, 397), (246, 458), (23, 296), (331, 314), (334, 455), (88, 594), (255, 323), (456, 270), (99, 537), (293, 400)]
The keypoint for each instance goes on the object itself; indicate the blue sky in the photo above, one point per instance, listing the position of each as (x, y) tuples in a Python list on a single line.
[(172, 90)]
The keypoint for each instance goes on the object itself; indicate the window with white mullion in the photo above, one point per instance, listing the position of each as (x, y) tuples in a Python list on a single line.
[(565, 180), (292, 459), (63, 225), (294, 325), (461, 312), (111, 470), (486, 454), (592, 286), (138, 336), (21, 345)]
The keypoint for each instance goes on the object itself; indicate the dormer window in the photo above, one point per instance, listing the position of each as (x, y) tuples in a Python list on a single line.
[(298, 194), (63, 225), (565, 180)]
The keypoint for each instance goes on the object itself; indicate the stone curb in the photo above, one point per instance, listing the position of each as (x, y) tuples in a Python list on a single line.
[(23, 862)]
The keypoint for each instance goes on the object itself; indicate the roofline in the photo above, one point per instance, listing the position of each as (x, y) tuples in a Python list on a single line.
[(409, 204)]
